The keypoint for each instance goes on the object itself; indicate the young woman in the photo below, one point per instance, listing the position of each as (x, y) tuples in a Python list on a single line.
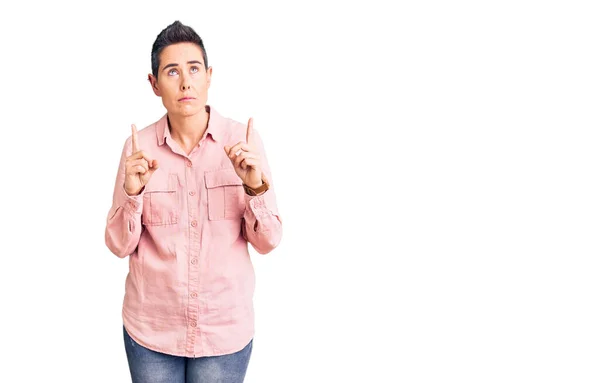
[(192, 190)]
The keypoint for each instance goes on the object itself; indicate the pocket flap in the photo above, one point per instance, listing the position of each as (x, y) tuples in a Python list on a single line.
[(161, 182), (224, 177)]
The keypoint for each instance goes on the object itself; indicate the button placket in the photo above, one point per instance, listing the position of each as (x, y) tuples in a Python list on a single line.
[(193, 256)]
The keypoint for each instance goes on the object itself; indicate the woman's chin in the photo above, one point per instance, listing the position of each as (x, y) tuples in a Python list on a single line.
[(187, 110)]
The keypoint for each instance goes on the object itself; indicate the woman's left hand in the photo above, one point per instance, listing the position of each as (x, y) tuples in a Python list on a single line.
[(246, 159)]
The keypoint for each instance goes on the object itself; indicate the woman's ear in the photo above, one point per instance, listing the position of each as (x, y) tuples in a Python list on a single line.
[(208, 77), (154, 84)]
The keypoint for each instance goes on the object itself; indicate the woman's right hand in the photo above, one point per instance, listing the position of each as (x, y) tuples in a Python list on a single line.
[(138, 167)]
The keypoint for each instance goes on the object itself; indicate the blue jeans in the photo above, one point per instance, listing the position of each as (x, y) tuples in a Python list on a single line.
[(147, 366)]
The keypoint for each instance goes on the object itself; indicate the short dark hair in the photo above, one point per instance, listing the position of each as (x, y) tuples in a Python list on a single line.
[(173, 34)]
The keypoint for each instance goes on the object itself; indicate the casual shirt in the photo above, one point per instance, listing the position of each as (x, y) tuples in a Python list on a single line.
[(189, 290)]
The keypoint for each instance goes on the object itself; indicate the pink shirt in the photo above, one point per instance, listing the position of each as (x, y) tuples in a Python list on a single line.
[(191, 281)]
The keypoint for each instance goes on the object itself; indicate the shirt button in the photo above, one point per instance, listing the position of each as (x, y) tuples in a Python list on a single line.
[(194, 261), (192, 193), (193, 323), (194, 295), (194, 223), (189, 164)]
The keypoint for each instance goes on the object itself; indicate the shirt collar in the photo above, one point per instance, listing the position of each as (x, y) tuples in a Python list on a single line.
[(214, 130)]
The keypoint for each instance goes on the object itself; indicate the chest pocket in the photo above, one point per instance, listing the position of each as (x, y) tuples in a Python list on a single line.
[(161, 200), (225, 194)]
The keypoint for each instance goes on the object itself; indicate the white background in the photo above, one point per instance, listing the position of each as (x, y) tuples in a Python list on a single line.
[(436, 171)]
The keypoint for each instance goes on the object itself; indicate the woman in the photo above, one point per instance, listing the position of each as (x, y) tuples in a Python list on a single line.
[(192, 190)]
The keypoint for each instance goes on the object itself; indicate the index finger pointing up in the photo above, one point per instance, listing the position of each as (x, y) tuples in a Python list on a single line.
[(134, 140), (249, 131)]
